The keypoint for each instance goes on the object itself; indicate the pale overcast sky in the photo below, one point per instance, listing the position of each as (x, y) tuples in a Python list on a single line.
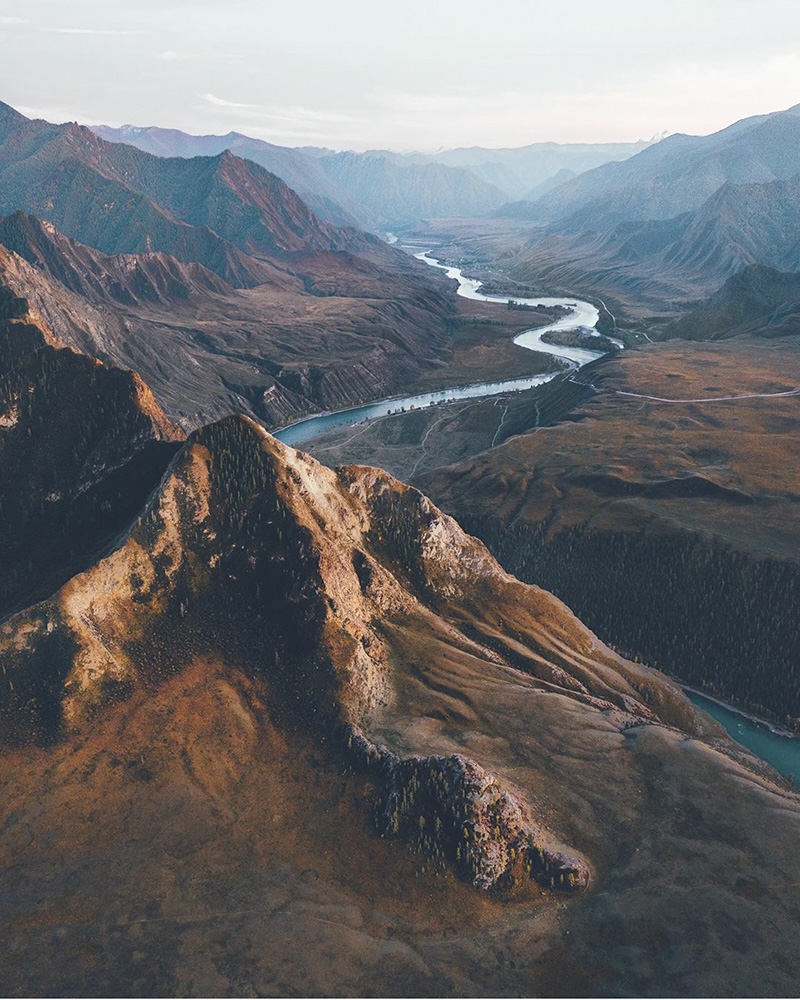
[(409, 74)]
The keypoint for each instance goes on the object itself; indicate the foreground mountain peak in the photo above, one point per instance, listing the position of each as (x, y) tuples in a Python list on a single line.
[(323, 583)]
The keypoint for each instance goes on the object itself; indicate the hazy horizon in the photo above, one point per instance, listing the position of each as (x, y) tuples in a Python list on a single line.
[(405, 77)]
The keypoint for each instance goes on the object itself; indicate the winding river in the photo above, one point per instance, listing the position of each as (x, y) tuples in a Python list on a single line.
[(582, 314)]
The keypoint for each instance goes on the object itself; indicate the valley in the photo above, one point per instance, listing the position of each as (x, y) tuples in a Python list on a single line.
[(576, 314)]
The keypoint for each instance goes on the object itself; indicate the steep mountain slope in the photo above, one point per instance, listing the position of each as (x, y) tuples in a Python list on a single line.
[(126, 278), (81, 447), (208, 349), (677, 174), (222, 738), (299, 171), (757, 300), (228, 214), (664, 511), (664, 261), (741, 225)]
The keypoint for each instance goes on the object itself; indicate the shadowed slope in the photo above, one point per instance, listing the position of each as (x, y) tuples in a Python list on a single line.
[(81, 448)]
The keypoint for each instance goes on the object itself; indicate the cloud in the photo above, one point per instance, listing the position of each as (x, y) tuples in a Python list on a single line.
[(219, 102), (95, 31), (53, 113), (278, 112), (172, 56), (292, 124)]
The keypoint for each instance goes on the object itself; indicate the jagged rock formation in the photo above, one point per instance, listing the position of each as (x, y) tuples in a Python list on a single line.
[(452, 810)]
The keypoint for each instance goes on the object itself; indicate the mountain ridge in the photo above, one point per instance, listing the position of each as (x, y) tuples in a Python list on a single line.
[(676, 174)]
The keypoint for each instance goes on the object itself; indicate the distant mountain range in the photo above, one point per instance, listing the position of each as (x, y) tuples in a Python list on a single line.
[(519, 171), (674, 175), (379, 188), (303, 173), (672, 223)]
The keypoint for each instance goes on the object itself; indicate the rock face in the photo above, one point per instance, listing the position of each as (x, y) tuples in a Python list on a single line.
[(452, 810), (313, 556)]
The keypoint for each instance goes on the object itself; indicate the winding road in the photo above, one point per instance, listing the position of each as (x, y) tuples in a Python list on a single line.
[(713, 399)]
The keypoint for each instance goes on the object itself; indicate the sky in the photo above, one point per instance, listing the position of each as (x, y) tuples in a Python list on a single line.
[(409, 74)]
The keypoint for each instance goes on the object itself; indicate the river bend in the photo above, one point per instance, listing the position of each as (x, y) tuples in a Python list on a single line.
[(582, 314)]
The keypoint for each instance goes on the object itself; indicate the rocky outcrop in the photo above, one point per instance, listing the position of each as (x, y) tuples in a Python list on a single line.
[(453, 811)]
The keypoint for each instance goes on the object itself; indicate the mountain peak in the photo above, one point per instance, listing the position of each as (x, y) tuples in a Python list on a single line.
[(8, 112), (318, 580)]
